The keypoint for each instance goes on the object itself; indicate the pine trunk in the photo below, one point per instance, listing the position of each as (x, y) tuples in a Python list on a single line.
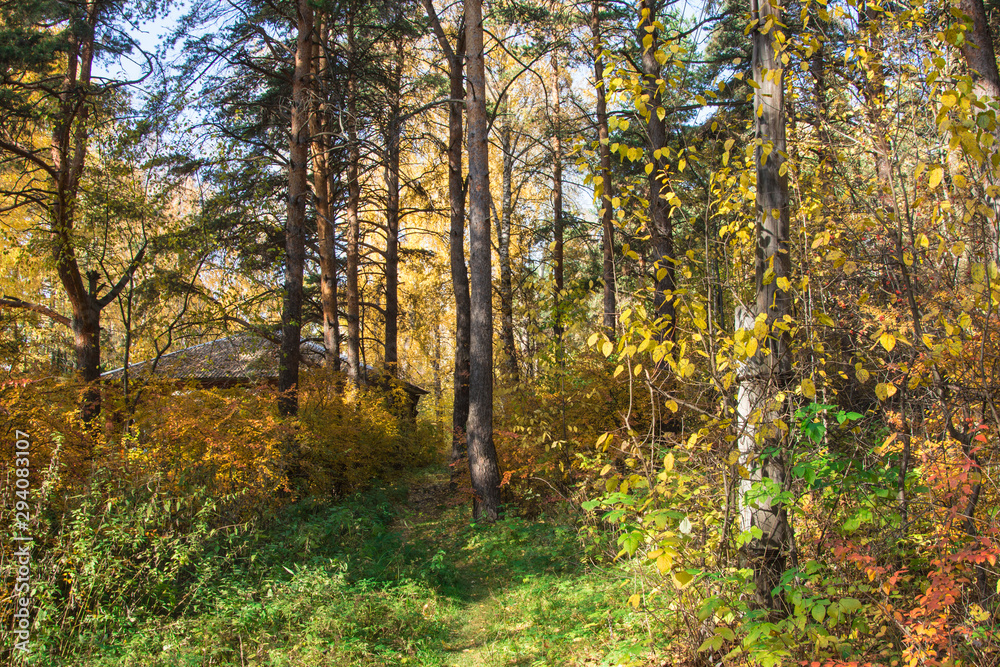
[(607, 190), (353, 221), (392, 220), (503, 253), (660, 225), (485, 471), (557, 211), (981, 59), (298, 191), (325, 228)]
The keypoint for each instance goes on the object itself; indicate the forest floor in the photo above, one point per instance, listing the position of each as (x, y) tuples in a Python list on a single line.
[(398, 576)]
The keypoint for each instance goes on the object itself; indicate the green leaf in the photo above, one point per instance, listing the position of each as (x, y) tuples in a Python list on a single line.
[(819, 613), (682, 578), (850, 604)]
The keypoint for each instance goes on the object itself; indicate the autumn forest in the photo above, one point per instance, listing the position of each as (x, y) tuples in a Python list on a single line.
[(504, 332)]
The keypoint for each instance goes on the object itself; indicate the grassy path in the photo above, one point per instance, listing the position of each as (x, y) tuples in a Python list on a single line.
[(519, 595), (395, 577)]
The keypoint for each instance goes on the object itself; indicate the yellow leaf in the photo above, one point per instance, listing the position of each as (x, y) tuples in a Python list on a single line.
[(884, 390), (888, 341), (783, 284), (671, 405), (936, 174), (634, 600), (592, 340), (607, 348), (751, 347), (668, 462), (808, 388), (619, 370), (664, 562)]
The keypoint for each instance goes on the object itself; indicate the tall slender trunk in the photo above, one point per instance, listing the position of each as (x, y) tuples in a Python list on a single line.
[(483, 466), (557, 209), (607, 190), (766, 375), (456, 199), (392, 218), (298, 191), (503, 251), (353, 202), (661, 227), (325, 228)]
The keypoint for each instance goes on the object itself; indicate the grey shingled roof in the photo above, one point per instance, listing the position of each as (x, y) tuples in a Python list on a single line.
[(241, 357)]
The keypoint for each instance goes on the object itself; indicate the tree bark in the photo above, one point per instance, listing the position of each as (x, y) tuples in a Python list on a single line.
[(298, 191), (325, 227), (660, 225), (392, 218), (353, 202), (766, 374), (981, 59), (557, 211), (606, 189), (456, 199), (483, 466), (503, 251)]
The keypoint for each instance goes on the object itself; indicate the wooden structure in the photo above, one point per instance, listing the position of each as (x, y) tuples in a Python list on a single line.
[(248, 359)]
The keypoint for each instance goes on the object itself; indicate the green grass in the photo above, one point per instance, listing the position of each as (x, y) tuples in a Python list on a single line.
[(375, 580)]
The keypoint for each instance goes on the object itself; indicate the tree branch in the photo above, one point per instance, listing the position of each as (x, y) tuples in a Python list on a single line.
[(14, 302)]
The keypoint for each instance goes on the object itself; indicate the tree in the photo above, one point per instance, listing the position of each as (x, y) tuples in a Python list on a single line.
[(320, 127), (980, 58), (606, 187), (768, 372), (456, 199), (48, 86), (483, 464), (298, 192), (660, 224), (353, 203)]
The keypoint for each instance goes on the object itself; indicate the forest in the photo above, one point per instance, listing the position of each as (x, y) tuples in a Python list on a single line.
[(509, 332)]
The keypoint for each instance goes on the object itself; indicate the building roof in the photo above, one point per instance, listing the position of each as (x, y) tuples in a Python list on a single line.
[(241, 358)]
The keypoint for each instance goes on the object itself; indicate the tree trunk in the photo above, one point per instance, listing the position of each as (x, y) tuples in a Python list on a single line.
[(298, 191), (606, 189), (485, 471), (353, 202), (660, 225), (325, 228), (456, 199), (69, 149), (503, 252), (981, 60), (392, 219), (765, 375), (557, 210), (978, 52)]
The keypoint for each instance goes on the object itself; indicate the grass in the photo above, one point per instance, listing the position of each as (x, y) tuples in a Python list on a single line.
[(393, 576)]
